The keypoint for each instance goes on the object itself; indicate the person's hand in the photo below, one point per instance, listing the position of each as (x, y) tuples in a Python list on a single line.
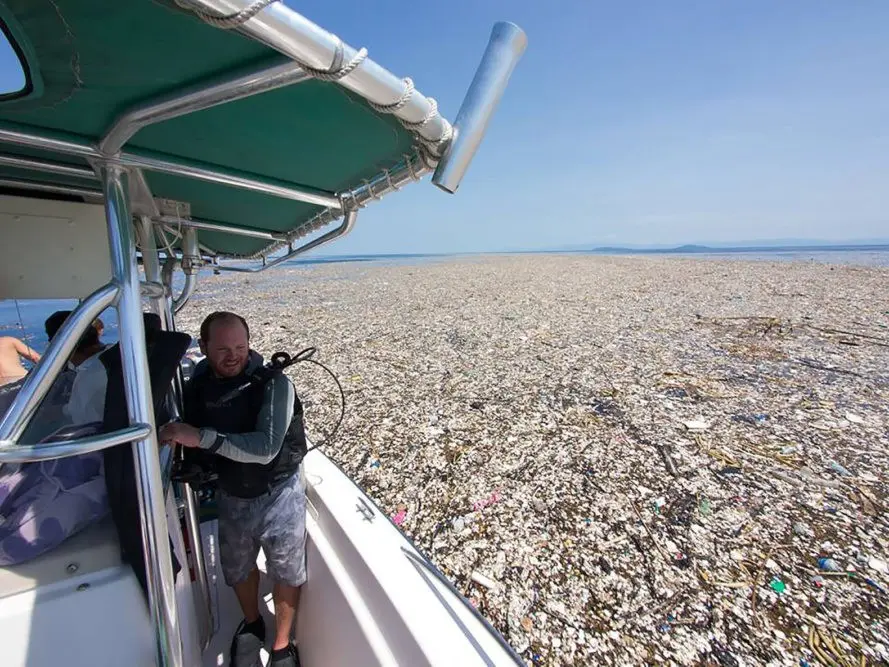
[(177, 433)]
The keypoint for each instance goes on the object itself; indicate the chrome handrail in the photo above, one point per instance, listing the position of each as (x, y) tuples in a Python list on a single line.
[(168, 164), (282, 28), (11, 452), (221, 227), (163, 612), (162, 306), (86, 193), (344, 228), (60, 168)]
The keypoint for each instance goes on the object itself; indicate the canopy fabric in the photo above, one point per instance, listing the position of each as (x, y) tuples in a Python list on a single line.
[(88, 61)]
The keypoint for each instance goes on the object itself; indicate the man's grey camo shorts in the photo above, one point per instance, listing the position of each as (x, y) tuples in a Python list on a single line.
[(275, 521)]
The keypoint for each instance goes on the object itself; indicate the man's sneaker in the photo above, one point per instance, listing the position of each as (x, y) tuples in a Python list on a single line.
[(290, 659), (246, 644)]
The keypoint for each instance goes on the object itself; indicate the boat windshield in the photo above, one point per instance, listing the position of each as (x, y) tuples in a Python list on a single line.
[(13, 80)]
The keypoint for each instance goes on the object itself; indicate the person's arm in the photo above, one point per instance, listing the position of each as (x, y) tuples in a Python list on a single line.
[(25, 351), (258, 446)]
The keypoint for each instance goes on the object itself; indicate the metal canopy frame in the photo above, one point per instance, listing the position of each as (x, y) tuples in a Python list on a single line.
[(86, 193), (198, 98), (314, 53), (161, 163)]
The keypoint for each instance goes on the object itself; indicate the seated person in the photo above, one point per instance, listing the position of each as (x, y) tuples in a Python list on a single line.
[(90, 343), (87, 404), (51, 414), (59, 397)]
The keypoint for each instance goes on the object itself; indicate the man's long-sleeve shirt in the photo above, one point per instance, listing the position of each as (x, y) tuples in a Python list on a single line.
[(262, 444)]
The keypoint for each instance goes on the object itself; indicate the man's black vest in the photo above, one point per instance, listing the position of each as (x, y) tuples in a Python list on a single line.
[(203, 408)]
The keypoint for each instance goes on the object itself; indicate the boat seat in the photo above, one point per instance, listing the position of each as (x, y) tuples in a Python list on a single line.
[(93, 549), (77, 604), (165, 350)]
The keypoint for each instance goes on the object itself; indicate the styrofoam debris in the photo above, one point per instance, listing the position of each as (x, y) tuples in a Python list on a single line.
[(482, 580)]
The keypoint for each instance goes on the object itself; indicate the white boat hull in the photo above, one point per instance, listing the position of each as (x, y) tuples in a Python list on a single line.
[(370, 598)]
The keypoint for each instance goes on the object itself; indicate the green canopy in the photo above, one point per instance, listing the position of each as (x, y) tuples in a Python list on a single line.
[(88, 61)]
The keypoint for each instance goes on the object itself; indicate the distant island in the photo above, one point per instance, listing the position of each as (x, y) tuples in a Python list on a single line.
[(761, 246)]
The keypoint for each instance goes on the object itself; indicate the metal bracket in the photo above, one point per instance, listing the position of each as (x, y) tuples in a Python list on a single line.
[(173, 208), (152, 290)]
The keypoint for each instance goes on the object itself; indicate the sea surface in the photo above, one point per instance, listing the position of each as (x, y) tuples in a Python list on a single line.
[(847, 255), (24, 318)]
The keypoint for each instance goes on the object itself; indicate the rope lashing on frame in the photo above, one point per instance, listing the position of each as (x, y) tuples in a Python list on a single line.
[(431, 150), (228, 21)]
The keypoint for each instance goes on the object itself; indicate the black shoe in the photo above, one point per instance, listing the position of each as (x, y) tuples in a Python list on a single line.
[(289, 659), (246, 644)]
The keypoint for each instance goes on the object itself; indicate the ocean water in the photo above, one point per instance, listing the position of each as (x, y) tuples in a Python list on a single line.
[(24, 318), (848, 255)]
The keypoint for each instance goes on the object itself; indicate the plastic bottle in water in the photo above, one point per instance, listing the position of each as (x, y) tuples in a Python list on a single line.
[(829, 565)]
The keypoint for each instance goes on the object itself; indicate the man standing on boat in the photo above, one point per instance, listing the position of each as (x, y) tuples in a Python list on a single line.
[(250, 419)]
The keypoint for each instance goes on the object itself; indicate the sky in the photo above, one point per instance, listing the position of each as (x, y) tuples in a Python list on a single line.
[(641, 122)]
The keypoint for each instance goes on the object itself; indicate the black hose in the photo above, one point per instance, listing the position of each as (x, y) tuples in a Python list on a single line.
[(282, 360)]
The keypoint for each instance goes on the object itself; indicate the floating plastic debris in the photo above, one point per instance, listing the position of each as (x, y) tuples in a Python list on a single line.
[(705, 507), (829, 565), (802, 529), (878, 564), (840, 470), (486, 502), (571, 359), (777, 585), (482, 580), (754, 419), (873, 584)]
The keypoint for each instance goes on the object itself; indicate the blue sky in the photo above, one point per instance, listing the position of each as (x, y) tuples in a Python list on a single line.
[(642, 122)]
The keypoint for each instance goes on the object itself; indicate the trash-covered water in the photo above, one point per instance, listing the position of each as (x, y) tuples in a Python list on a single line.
[(618, 460)]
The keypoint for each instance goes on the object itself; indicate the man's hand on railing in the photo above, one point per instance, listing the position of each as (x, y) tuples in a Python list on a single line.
[(177, 433)]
